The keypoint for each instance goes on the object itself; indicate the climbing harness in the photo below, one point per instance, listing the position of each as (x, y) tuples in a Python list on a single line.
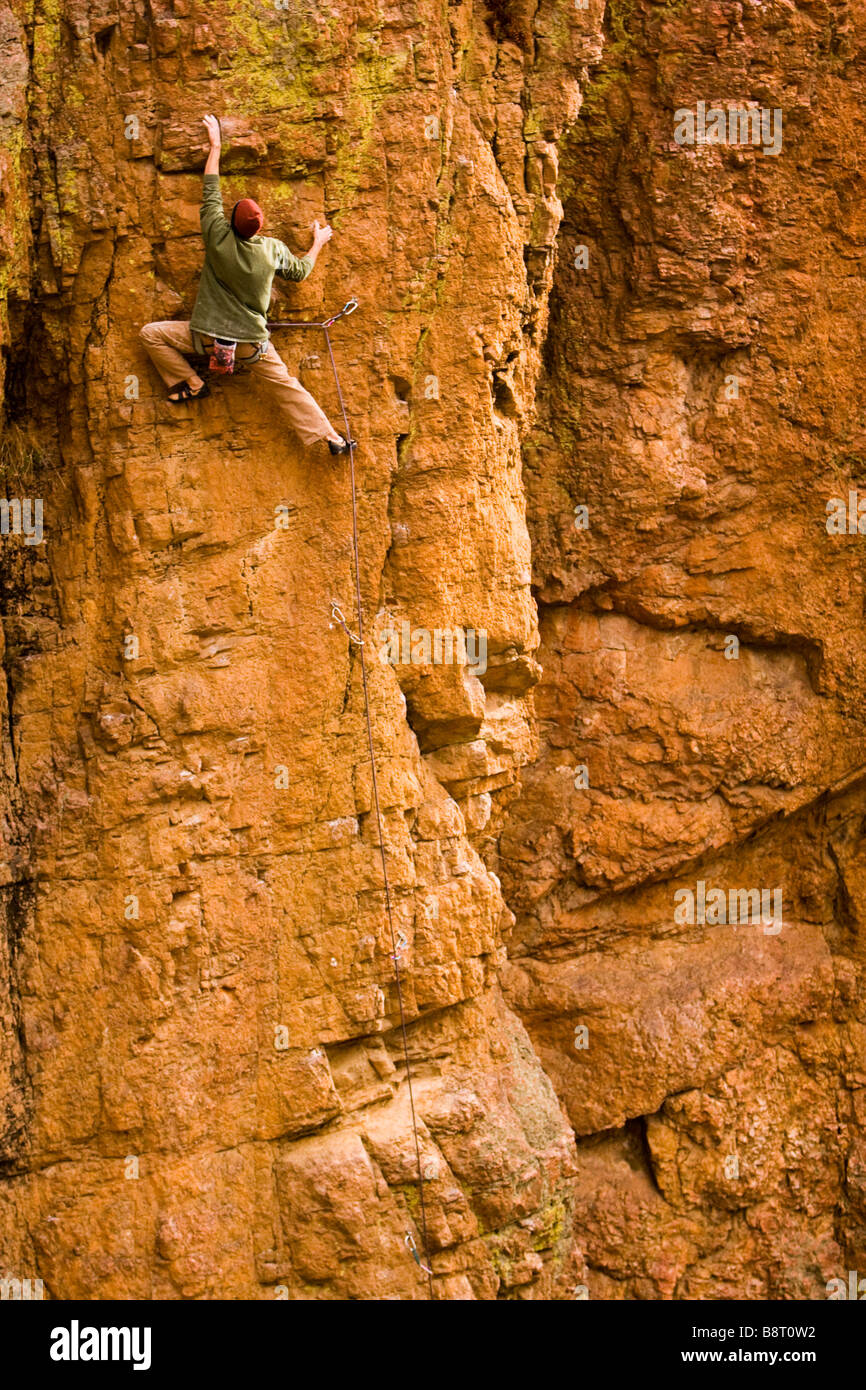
[(221, 355), (358, 640), (249, 359)]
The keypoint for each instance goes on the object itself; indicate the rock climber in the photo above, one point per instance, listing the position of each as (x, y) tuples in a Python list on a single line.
[(230, 316)]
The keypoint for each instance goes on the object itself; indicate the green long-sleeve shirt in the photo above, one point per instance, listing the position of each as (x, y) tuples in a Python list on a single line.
[(235, 287)]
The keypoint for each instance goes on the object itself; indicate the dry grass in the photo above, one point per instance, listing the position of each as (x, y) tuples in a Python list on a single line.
[(21, 460)]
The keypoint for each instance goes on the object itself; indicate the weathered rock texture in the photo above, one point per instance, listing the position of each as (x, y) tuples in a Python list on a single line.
[(699, 400), (204, 1092)]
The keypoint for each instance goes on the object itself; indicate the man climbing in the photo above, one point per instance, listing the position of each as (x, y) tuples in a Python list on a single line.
[(232, 305)]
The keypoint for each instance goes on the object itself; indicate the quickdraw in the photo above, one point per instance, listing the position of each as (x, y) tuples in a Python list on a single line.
[(413, 1251), (348, 308), (337, 615)]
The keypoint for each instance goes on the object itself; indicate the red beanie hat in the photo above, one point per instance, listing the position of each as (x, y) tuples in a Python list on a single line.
[(247, 218)]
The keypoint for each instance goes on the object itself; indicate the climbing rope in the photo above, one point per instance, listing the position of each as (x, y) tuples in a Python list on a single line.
[(358, 640), (348, 308)]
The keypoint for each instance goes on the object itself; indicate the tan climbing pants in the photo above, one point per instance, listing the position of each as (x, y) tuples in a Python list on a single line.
[(167, 341)]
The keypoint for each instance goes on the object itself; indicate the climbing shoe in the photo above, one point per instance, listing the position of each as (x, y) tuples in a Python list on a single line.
[(184, 392), (343, 447)]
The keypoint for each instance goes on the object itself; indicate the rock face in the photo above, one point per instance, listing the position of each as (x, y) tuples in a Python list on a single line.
[(617, 1091), (701, 705)]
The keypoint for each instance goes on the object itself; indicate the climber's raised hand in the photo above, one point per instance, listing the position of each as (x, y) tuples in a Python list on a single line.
[(212, 165), (213, 131), (321, 235)]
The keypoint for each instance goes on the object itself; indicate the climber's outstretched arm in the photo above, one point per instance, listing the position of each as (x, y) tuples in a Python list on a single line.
[(214, 225), (213, 131), (291, 267)]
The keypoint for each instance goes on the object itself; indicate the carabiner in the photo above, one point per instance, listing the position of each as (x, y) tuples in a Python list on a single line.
[(413, 1251), (337, 617), (348, 308)]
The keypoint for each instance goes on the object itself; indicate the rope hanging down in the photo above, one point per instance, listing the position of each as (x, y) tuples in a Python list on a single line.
[(349, 308)]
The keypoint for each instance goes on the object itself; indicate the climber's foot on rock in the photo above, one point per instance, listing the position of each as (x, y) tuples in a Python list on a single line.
[(185, 391), (343, 446)]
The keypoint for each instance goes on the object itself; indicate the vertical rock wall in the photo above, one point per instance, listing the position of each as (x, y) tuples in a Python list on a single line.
[(703, 657), (206, 1094), (202, 1080)]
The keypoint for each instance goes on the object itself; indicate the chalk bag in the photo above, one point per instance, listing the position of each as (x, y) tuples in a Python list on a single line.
[(222, 357)]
